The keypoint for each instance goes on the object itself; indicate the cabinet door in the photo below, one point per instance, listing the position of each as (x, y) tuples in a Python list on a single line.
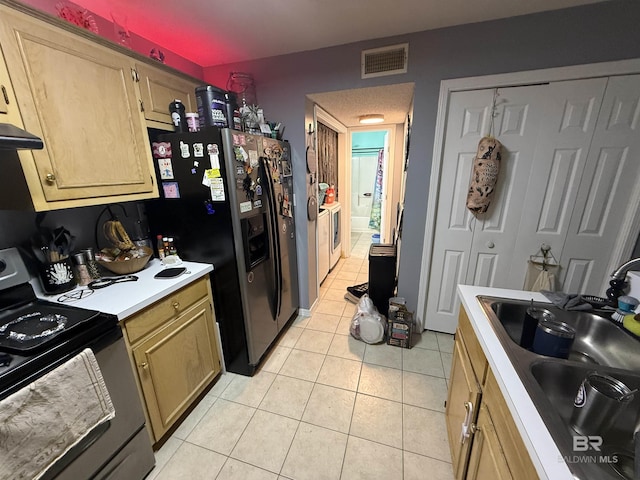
[(487, 460), (462, 404), (80, 98), (8, 106), (176, 364), (159, 88)]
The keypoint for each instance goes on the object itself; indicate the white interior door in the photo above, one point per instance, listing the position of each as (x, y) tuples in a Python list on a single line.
[(570, 163), (558, 164), (469, 250), (518, 120), (610, 176)]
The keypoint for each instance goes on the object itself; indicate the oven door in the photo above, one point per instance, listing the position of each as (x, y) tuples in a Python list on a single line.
[(122, 444)]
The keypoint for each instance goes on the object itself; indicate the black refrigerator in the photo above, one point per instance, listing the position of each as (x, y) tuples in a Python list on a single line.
[(226, 197)]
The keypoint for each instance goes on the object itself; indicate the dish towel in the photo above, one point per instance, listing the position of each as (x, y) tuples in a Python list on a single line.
[(567, 301), (538, 278), (42, 421)]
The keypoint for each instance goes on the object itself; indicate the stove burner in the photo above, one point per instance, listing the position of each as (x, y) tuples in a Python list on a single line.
[(29, 326)]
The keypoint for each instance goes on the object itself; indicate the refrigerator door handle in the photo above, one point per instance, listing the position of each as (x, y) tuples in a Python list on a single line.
[(275, 237)]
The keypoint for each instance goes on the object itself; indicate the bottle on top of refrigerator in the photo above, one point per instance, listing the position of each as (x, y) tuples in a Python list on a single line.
[(178, 116)]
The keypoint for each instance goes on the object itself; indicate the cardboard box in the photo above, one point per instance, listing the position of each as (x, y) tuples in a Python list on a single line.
[(400, 328)]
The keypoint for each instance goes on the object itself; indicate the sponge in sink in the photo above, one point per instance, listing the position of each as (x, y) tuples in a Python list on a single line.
[(632, 323)]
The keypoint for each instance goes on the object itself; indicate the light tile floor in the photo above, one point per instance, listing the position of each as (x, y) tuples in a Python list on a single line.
[(323, 406)]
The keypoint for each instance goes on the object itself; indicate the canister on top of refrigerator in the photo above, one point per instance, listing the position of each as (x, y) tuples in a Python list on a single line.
[(211, 106)]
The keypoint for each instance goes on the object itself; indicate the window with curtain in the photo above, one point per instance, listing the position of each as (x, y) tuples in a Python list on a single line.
[(328, 156)]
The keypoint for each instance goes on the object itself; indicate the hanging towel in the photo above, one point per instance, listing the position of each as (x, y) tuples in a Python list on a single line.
[(545, 281), (42, 421), (538, 278)]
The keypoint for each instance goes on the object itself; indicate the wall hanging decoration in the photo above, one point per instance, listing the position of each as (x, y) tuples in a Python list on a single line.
[(486, 166)]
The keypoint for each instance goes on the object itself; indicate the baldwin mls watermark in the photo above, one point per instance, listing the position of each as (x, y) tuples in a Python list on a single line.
[(586, 449)]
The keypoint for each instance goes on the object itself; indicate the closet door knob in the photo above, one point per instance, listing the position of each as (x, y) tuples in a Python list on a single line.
[(490, 244)]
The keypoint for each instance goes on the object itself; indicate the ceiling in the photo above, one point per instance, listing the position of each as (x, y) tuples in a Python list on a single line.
[(218, 32), (393, 101)]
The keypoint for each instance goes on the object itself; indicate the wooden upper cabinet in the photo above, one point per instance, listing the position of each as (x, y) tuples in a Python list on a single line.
[(158, 89), (8, 107), (81, 99)]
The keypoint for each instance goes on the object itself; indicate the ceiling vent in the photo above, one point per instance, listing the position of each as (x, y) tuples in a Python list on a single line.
[(378, 62)]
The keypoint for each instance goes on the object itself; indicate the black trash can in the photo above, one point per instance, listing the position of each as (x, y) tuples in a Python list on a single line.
[(382, 275)]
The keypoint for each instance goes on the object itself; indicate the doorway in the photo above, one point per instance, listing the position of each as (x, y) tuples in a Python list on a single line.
[(369, 175)]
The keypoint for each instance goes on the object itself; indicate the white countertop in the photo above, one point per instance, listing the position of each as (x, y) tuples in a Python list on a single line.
[(126, 298), (542, 448)]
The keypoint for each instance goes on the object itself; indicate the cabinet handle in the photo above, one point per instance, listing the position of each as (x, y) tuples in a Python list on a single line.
[(144, 365), (5, 94), (467, 429), (176, 305), (141, 106), (51, 178), (134, 75)]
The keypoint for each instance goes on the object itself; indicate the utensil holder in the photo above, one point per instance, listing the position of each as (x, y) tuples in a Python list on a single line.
[(57, 277)]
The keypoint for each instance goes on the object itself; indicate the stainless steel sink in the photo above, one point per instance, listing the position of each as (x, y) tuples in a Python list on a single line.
[(598, 339), (600, 345)]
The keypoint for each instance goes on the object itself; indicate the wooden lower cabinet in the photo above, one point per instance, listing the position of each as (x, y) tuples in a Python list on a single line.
[(487, 460), (176, 361), (462, 403), (493, 449)]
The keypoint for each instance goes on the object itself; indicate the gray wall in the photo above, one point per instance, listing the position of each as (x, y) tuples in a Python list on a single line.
[(594, 33)]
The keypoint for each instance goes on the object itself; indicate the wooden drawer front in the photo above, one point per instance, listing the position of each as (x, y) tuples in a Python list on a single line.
[(515, 452), (478, 359), (171, 306)]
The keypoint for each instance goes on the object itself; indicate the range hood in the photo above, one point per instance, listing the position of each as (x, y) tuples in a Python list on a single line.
[(13, 138)]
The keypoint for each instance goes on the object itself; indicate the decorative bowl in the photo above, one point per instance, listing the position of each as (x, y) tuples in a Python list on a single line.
[(125, 264)]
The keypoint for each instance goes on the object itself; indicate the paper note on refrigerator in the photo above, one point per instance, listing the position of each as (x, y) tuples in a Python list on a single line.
[(166, 168), (217, 190)]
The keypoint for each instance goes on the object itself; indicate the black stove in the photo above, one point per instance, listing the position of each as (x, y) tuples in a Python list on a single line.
[(37, 335)]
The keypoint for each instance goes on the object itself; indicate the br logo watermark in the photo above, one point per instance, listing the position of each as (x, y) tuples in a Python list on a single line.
[(584, 443), (587, 449)]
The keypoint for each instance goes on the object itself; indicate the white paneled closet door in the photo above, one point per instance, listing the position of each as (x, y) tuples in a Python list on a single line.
[(466, 249), (611, 174), (558, 165), (571, 162)]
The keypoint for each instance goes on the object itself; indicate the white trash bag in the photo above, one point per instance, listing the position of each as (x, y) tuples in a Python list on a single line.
[(368, 324)]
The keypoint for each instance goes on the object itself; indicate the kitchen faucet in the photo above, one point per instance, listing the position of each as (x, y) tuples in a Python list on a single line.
[(620, 273), (618, 280)]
